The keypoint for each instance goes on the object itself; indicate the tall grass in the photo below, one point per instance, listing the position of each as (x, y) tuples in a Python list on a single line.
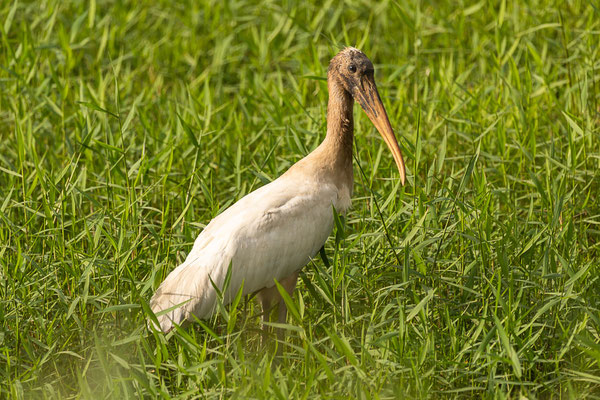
[(126, 126)]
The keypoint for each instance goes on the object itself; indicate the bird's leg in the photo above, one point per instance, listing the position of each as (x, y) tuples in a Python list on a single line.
[(289, 284), (266, 300), (270, 297)]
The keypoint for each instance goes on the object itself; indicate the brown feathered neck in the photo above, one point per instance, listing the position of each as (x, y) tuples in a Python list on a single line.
[(332, 159), (340, 121)]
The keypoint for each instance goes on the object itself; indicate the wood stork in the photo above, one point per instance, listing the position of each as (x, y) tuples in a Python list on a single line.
[(273, 232)]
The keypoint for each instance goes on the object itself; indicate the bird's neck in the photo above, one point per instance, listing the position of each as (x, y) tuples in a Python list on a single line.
[(340, 124), (332, 160)]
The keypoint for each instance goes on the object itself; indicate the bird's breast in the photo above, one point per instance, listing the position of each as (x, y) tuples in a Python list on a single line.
[(343, 200)]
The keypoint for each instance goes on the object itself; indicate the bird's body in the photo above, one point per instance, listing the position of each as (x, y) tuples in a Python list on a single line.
[(273, 232)]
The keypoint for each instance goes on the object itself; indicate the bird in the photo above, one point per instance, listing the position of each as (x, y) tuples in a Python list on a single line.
[(271, 233)]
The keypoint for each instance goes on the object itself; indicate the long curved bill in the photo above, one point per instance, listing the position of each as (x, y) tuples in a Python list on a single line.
[(368, 98)]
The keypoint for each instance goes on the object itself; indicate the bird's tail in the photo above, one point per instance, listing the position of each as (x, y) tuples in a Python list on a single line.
[(173, 301)]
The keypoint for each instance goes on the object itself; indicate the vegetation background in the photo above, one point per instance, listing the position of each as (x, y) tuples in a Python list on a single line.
[(127, 125)]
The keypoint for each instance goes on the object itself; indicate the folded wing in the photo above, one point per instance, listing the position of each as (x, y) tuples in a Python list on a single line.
[(269, 234)]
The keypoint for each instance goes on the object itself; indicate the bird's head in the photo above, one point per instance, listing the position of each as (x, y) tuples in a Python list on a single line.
[(351, 69)]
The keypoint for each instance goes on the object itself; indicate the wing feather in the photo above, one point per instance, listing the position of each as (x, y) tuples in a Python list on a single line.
[(269, 234)]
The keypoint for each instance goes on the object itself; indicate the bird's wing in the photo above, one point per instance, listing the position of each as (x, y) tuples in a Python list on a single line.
[(269, 234)]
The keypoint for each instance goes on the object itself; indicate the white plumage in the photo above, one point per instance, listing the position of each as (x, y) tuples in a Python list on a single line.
[(273, 232), (268, 234)]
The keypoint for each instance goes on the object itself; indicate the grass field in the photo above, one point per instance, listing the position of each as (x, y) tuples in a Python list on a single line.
[(127, 125)]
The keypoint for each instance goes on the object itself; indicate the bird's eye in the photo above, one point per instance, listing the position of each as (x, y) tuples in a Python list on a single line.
[(352, 68)]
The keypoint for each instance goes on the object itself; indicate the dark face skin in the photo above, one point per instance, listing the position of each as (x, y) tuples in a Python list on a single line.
[(355, 72), (352, 68)]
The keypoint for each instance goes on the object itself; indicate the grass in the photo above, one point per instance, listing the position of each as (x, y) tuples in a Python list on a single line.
[(126, 126)]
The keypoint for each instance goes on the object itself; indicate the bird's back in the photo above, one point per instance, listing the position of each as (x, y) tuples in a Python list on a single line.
[(268, 234)]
